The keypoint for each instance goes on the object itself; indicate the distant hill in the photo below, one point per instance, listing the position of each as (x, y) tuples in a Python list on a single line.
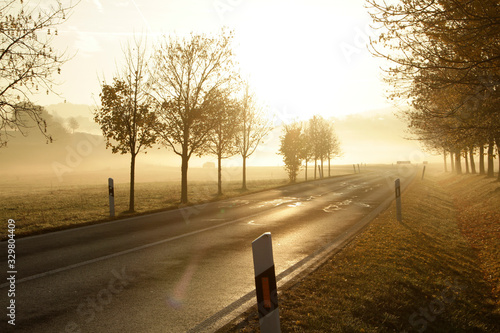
[(82, 113)]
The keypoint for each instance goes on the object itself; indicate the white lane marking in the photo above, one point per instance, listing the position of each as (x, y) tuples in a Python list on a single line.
[(337, 206), (277, 202), (252, 222)]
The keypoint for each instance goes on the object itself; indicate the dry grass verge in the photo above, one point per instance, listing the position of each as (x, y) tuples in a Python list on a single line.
[(41, 209), (435, 272)]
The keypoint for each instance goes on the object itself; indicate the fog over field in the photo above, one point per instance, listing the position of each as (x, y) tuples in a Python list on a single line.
[(373, 137)]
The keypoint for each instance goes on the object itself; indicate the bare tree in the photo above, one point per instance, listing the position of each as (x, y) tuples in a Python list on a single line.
[(322, 142), (126, 119), (314, 137), (253, 128), (222, 139), (188, 72), (307, 150), (332, 145), (27, 61)]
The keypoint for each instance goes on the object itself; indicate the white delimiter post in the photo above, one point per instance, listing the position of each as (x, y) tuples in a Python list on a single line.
[(265, 284), (111, 197), (398, 200)]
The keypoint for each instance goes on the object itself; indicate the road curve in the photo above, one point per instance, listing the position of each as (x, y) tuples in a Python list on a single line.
[(179, 270)]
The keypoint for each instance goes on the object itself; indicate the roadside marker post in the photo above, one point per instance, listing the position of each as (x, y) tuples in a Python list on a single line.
[(111, 197), (359, 170), (265, 284), (354, 166), (398, 200), (423, 173), (320, 172)]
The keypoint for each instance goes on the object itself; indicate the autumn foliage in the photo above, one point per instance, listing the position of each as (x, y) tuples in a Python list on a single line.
[(444, 61)]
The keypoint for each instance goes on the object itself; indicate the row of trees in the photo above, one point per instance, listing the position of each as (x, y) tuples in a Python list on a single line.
[(186, 96), (445, 59), (302, 142), (193, 90)]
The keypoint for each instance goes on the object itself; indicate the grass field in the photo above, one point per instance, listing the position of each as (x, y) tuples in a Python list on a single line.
[(41, 209), (437, 271)]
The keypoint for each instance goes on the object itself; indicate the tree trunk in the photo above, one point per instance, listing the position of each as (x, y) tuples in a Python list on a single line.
[(315, 167), (482, 170), (497, 139), (472, 163), (444, 158), (458, 165), (466, 161), (321, 172), (329, 172), (219, 174), (306, 170), (244, 185), (184, 171), (245, 148), (452, 162), (131, 204), (491, 173)]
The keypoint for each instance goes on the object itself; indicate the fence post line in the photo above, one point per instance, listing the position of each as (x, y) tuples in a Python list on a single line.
[(111, 197), (265, 284), (398, 200)]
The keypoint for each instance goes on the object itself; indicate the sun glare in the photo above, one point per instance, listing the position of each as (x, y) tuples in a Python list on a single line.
[(292, 58)]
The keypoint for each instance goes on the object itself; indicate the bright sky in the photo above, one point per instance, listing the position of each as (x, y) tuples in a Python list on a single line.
[(302, 57)]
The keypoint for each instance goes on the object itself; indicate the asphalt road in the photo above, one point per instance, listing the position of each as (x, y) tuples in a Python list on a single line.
[(179, 270)]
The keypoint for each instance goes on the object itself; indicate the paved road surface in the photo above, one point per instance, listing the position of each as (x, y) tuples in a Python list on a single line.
[(177, 271)]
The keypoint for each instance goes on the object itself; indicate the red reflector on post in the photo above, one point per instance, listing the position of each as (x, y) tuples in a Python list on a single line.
[(265, 284), (266, 292)]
